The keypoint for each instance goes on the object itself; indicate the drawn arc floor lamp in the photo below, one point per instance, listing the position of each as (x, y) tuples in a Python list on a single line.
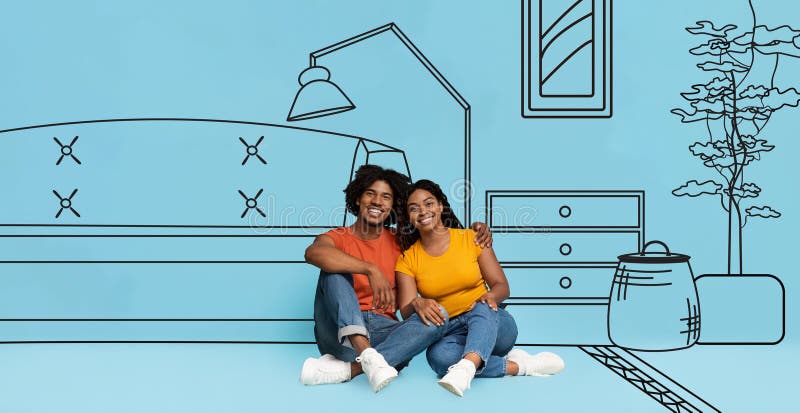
[(319, 96)]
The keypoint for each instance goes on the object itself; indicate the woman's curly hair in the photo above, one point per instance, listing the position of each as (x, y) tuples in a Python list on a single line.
[(407, 235), (366, 175)]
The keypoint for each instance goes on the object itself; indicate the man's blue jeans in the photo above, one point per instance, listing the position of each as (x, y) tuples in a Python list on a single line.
[(491, 334), (338, 315)]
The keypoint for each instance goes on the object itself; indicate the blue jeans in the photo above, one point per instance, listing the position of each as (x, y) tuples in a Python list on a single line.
[(337, 315), (491, 334)]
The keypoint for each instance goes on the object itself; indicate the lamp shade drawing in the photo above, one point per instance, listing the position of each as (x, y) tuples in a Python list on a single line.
[(318, 78), (318, 96)]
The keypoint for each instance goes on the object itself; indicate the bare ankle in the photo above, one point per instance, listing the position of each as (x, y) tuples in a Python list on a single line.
[(512, 369), (359, 342), (474, 358), (355, 369)]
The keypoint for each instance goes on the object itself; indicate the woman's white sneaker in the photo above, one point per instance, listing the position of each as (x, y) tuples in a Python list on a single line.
[(540, 364), (378, 371), (458, 377)]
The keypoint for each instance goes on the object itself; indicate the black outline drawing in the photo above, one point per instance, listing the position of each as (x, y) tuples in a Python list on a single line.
[(392, 27), (252, 203), (252, 150), (781, 298), (209, 230), (651, 381), (325, 82), (666, 391), (66, 203), (647, 278), (66, 150), (567, 264), (735, 111), (537, 39)]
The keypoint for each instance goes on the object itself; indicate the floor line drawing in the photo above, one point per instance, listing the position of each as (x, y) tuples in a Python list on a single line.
[(669, 393)]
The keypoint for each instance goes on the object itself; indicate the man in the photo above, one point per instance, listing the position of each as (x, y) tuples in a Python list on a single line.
[(356, 327)]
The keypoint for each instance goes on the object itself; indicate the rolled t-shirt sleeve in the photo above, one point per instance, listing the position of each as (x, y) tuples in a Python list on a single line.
[(404, 265), (337, 234)]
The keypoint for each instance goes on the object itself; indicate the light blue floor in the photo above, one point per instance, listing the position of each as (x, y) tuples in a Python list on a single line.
[(264, 378)]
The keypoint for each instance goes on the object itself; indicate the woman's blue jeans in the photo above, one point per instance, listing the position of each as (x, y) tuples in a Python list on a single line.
[(488, 333), (337, 315)]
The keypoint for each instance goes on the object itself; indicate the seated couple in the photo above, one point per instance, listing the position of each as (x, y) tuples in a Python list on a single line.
[(431, 270)]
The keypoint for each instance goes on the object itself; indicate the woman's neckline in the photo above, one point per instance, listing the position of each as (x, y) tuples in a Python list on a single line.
[(446, 249)]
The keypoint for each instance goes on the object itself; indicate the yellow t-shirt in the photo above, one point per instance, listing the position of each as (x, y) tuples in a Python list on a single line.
[(454, 278)]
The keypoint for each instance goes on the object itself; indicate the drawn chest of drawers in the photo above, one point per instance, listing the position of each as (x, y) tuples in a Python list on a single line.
[(559, 250)]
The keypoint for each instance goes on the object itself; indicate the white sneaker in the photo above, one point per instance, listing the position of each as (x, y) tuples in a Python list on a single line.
[(378, 371), (324, 370), (458, 377), (540, 364)]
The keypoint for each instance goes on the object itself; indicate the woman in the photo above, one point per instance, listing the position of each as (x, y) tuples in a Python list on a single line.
[(443, 276)]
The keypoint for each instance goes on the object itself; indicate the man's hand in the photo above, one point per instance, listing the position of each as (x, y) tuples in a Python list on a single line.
[(382, 293), (428, 310), (483, 237)]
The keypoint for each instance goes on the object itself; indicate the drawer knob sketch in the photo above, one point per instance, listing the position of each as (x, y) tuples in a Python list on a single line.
[(66, 203), (565, 211), (67, 151), (565, 282), (565, 249)]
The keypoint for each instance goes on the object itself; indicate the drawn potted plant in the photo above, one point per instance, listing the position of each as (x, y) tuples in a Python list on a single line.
[(734, 108)]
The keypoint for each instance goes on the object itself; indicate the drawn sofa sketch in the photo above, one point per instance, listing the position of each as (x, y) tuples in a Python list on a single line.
[(168, 230)]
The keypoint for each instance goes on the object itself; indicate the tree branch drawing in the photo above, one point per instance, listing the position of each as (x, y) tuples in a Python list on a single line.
[(736, 108)]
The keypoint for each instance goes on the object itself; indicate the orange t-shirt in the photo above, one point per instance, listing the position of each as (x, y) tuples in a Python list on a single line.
[(382, 251)]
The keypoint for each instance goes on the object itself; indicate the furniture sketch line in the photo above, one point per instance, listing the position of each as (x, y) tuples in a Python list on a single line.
[(66, 150), (430, 68), (169, 119), (165, 248), (66, 203), (566, 58), (663, 389), (252, 150), (252, 203)]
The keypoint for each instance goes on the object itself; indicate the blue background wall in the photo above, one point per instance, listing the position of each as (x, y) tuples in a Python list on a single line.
[(239, 60)]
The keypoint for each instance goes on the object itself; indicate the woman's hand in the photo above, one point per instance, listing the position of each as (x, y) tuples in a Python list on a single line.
[(489, 300), (428, 311)]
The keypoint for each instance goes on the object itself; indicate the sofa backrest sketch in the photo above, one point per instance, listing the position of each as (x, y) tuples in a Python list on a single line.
[(168, 229)]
